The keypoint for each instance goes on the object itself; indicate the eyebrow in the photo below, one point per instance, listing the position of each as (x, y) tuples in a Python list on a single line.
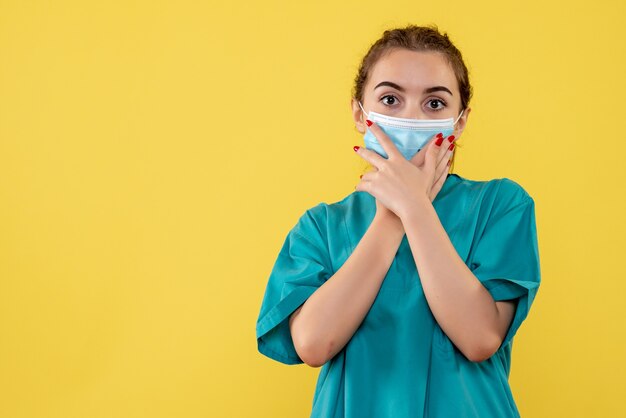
[(428, 90)]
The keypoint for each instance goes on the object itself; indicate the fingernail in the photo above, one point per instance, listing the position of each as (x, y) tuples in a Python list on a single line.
[(369, 122), (451, 138), (451, 147), (439, 141), (356, 148), (440, 134)]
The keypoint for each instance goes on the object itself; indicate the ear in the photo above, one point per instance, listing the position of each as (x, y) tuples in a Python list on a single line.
[(359, 116), (460, 125)]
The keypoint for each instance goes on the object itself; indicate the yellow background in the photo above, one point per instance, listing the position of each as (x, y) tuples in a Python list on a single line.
[(154, 154)]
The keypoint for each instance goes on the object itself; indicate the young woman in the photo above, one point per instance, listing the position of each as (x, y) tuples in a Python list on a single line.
[(410, 289)]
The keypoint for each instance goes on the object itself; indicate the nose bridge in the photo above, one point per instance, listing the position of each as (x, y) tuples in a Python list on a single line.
[(414, 110)]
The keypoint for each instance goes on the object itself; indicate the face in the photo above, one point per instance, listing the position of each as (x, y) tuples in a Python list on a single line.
[(411, 84)]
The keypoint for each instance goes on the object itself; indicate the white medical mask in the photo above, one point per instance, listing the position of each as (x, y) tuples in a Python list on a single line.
[(408, 135)]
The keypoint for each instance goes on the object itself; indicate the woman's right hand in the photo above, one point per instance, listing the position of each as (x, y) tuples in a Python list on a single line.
[(441, 173)]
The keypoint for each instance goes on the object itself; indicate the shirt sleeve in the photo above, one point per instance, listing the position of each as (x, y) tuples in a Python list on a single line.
[(302, 266), (506, 257)]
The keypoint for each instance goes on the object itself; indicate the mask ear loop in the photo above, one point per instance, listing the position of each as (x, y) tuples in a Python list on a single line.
[(366, 114), (457, 119)]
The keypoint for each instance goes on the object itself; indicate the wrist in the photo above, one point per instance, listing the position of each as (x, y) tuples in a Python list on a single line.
[(391, 223), (415, 209)]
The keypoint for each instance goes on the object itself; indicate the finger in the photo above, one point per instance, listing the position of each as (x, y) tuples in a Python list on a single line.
[(438, 184), (447, 144), (369, 176), (450, 152), (444, 148), (443, 144), (363, 185), (431, 157), (441, 174), (418, 158), (372, 157), (442, 167), (367, 179), (384, 141), (450, 148)]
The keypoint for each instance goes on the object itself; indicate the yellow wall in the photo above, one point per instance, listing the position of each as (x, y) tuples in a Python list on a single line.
[(153, 156)]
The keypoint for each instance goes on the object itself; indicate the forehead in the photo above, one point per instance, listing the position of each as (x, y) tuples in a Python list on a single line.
[(413, 70)]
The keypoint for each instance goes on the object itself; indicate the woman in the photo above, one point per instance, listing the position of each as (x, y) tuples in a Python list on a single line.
[(409, 290)]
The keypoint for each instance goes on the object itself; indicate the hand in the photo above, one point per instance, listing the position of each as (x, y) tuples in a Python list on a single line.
[(441, 172), (418, 161), (397, 183)]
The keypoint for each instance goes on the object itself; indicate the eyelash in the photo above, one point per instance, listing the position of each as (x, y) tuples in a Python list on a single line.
[(434, 110)]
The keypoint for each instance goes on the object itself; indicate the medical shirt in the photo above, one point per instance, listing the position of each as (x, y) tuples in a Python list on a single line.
[(399, 363)]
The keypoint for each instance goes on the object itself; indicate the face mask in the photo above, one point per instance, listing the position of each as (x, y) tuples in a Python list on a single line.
[(408, 135)]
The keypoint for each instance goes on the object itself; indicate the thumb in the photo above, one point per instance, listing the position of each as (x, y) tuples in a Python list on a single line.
[(430, 159), (418, 159)]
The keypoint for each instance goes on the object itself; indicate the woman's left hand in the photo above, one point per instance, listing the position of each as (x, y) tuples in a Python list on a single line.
[(397, 183)]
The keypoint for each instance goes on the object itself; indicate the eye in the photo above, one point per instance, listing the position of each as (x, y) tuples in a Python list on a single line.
[(439, 107), (389, 99)]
